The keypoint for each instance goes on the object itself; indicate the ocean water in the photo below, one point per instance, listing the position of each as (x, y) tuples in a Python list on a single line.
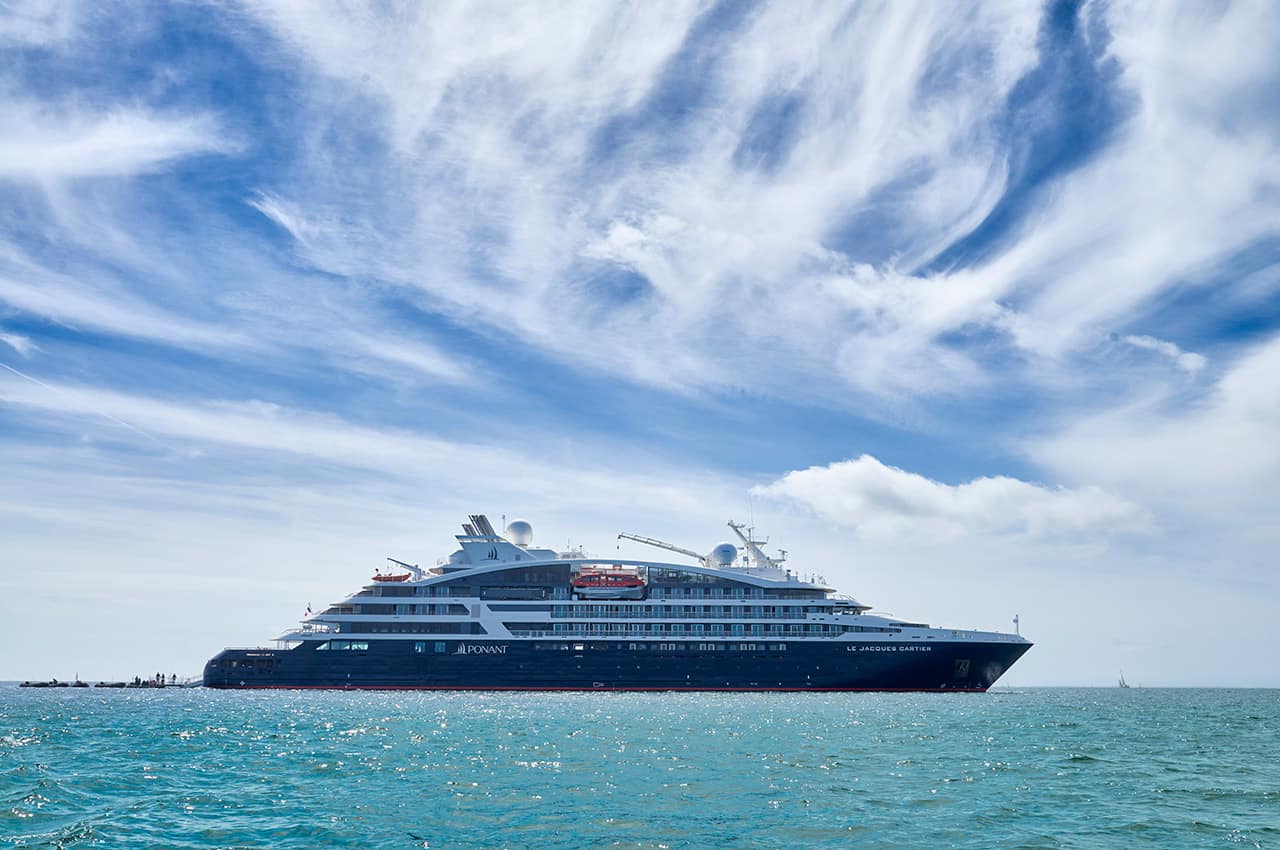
[(1036, 768)]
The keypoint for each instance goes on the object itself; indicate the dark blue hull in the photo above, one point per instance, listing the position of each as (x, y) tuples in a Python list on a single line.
[(622, 666)]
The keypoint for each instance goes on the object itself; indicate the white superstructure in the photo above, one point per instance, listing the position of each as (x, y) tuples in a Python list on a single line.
[(727, 596)]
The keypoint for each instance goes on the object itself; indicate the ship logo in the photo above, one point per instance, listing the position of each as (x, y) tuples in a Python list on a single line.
[(480, 649), (493, 553)]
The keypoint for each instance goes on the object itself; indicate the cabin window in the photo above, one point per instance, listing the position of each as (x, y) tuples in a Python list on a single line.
[(419, 646), (361, 645)]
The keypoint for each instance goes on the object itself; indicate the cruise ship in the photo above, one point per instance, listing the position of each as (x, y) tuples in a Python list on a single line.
[(502, 614)]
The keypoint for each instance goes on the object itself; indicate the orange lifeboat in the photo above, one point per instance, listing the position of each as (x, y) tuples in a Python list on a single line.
[(608, 585), (622, 580)]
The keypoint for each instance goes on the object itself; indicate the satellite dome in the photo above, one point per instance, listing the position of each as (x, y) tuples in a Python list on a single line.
[(724, 554), (519, 532)]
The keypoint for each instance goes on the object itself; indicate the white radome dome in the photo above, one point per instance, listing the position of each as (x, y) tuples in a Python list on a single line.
[(724, 554), (519, 532)]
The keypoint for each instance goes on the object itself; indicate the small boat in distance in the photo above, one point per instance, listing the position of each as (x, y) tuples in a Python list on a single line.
[(1123, 683)]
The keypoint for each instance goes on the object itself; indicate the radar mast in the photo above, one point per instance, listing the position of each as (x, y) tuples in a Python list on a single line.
[(752, 545)]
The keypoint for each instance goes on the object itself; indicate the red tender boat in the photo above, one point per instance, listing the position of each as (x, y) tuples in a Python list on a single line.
[(607, 585)]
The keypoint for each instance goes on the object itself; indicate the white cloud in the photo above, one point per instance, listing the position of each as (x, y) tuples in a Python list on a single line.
[(1216, 457), (1187, 361), (1182, 187), (1177, 191), (286, 435), (39, 22), (248, 424), (42, 144), (549, 63), (489, 194), (19, 343), (109, 308), (416, 355), (282, 213), (866, 494), (263, 312), (491, 131)]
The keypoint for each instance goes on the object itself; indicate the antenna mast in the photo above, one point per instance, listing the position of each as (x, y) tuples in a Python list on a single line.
[(758, 557)]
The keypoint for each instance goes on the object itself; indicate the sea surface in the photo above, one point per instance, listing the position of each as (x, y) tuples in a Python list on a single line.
[(1042, 768)]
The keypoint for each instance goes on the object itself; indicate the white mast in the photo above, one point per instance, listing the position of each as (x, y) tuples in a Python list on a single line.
[(758, 557)]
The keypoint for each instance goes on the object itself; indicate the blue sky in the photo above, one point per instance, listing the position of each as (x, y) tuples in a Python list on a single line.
[(977, 311)]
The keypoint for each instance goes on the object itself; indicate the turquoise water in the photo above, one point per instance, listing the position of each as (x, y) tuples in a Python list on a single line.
[(1034, 768)]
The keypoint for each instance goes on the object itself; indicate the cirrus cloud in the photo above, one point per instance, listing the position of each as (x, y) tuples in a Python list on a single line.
[(47, 144)]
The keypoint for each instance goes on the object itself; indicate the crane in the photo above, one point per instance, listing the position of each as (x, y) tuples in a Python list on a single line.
[(661, 544)]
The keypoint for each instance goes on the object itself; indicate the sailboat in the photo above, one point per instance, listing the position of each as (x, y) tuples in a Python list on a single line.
[(1123, 683)]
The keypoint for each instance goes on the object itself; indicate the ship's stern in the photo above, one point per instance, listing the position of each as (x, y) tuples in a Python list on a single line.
[(243, 668)]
